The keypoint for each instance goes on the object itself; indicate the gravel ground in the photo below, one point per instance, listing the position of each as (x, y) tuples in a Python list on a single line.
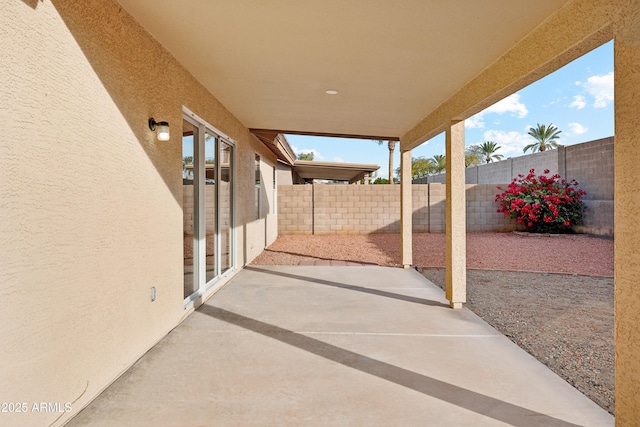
[(563, 320), (577, 254)]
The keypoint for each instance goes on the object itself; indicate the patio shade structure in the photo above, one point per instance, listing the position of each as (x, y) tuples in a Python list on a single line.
[(310, 170), (406, 70), (350, 172)]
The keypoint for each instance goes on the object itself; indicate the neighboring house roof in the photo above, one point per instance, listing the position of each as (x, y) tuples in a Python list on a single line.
[(277, 143), (351, 172)]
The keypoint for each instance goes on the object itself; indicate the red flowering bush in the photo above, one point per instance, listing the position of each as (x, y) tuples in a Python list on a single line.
[(542, 204)]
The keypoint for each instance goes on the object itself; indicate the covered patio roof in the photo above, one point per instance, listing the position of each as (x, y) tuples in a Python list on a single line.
[(410, 70), (391, 63)]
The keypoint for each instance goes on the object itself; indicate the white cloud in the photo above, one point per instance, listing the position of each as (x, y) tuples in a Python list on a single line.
[(474, 122), (601, 88), (577, 128), (511, 104), (511, 142), (316, 153), (338, 160), (579, 102)]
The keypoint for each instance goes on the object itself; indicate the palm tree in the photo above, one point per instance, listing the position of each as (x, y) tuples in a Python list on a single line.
[(545, 137), (392, 146), (439, 163), (488, 150)]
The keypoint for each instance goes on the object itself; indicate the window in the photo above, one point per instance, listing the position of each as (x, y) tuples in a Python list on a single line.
[(274, 204), (258, 188)]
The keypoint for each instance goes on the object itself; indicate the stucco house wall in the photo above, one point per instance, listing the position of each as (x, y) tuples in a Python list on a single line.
[(92, 203)]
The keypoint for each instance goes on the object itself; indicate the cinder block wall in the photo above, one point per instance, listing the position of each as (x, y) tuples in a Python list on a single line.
[(364, 209), (421, 208), (437, 206), (356, 209), (592, 166), (482, 212), (538, 161), (493, 173), (589, 163), (295, 209)]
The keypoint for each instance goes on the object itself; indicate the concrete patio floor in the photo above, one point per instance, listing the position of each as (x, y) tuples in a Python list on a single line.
[(337, 346)]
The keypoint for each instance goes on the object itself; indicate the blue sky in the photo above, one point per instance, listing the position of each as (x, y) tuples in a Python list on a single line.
[(578, 99)]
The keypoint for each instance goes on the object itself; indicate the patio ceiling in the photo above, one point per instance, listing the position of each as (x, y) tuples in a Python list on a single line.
[(392, 63)]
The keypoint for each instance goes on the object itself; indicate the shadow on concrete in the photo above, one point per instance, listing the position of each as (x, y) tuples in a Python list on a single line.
[(461, 397), (371, 291), (322, 258)]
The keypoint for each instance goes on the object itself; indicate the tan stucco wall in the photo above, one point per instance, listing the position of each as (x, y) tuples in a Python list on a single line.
[(627, 226), (266, 224), (90, 201), (284, 174)]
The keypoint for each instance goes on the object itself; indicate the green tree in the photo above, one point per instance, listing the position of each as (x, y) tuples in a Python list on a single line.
[(380, 180), (545, 137), (472, 156), (488, 150), (439, 163), (187, 160), (420, 166), (306, 156)]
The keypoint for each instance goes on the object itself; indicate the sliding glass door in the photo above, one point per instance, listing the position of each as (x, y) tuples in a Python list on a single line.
[(208, 204)]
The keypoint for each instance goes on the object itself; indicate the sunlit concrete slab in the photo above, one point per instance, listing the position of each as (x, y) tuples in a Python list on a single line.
[(337, 346)]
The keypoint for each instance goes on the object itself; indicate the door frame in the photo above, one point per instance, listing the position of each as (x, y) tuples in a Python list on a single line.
[(199, 215)]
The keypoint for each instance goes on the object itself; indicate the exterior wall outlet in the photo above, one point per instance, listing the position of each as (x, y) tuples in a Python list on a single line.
[(153, 293)]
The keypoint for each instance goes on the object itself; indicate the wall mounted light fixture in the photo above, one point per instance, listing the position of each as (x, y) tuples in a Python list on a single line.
[(162, 127)]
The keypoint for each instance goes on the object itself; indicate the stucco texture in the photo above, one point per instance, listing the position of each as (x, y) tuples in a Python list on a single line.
[(90, 201), (627, 233)]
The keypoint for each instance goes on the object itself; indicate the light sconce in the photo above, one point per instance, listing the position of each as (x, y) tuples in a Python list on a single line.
[(162, 128)]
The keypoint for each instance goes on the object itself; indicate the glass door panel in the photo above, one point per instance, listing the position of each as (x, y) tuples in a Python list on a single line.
[(225, 192), (210, 205), (189, 203)]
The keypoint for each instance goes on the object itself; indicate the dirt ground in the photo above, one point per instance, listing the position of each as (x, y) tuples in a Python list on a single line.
[(570, 253), (563, 320)]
